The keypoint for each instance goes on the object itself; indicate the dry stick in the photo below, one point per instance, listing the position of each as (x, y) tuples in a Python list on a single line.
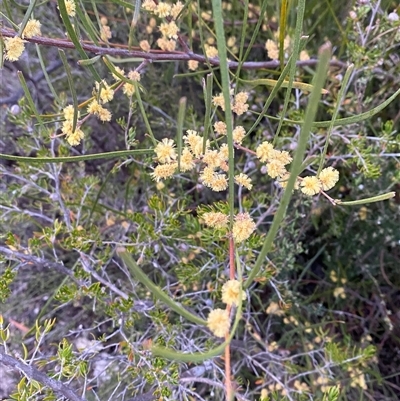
[(34, 260), (159, 55), (32, 373)]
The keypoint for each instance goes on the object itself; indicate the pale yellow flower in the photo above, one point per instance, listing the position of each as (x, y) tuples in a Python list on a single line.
[(265, 151), (165, 151), (211, 158), (162, 9), (219, 101), (93, 107), (68, 112), (301, 387), (195, 142), (339, 292), (75, 137), (243, 227), (219, 183), (67, 126), (310, 185), (105, 33), (160, 185), (240, 108), (106, 93), (149, 5), (357, 378), (166, 45), (70, 7), (304, 55), (220, 127), (328, 178), (163, 171), (224, 152), (218, 322), (231, 293), (32, 28), (193, 65), (120, 71), (169, 30), (211, 52), (144, 45), (215, 219), (176, 9), (14, 47), (282, 181), (96, 109), (274, 309), (207, 176), (238, 134), (273, 346), (231, 41), (282, 156), (272, 49), (244, 180), (275, 168), (104, 115), (187, 162), (241, 97), (134, 75), (128, 89)]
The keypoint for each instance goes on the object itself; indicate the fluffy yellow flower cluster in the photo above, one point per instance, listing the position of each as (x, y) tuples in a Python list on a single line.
[(75, 137), (211, 51), (13, 48), (216, 219), (276, 162), (218, 320), (273, 50), (105, 94), (242, 228), (105, 30), (238, 103), (276, 159), (231, 293), (238, 133), (70, 7), (166, 156), (197, 150), (168, 29), (127, 88), (327, 179), (32, 28)]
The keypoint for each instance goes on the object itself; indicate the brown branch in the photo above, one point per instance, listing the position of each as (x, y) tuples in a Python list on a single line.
[(159, 55), (32, 373), (34, 260)]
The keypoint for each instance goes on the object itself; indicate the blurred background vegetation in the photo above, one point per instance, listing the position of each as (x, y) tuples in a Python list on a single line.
[(325, 309)]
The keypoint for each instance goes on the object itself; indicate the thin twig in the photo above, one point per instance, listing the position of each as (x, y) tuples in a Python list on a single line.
[(34, 374), (160, 55)]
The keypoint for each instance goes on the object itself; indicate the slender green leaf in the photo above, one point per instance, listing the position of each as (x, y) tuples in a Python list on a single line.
[(221, 45), (179, 134), (27, 16), (373, 199), (75, 159), (71, 87), (310, 114), (342, 92), (74, 38), (155, 290)]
